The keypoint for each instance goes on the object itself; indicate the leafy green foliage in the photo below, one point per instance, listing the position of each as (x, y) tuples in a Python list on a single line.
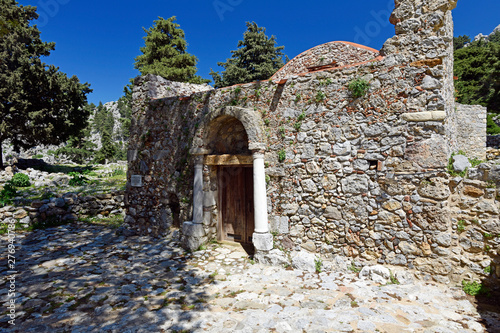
[(358, 87), (165, 53), (460, 226), (257, 58), (20, 180), (491, 127), (318, 264), (320, 96), (78, 147), (393, 278), (281, 155), (38, 103), (77, 179), (478, 70), (353, 268), (8, 192), (475, 288), (460, 41), (108, 150)]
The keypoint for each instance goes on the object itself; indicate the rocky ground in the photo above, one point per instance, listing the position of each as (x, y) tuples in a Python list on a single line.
[(83, 277)]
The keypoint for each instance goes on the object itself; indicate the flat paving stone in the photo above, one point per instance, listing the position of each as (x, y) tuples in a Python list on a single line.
[(83, 278)]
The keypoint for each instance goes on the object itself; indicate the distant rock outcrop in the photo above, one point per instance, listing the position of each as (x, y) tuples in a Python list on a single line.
[(487, 38)]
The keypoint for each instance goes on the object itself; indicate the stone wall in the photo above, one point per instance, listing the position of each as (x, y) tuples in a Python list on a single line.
[(493, 141), (471, 130), (65, 207), (364, 176)]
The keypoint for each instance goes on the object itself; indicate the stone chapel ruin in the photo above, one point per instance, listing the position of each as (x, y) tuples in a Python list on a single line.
[(299, 155)]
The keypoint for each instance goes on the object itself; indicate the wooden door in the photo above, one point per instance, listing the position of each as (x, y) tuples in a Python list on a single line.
[(236, 203)]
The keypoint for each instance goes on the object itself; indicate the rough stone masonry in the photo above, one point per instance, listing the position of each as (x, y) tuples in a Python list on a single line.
[(332, 173)]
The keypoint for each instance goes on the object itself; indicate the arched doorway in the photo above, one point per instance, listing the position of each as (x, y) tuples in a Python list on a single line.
[(227, 142), (230, 144)]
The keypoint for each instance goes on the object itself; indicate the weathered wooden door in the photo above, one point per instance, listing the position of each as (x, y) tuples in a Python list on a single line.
[(236, 203)]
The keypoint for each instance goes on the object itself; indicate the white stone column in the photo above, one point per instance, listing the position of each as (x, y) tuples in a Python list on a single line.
[(198, 190), (261, 238), (193, 231), (259, 193)]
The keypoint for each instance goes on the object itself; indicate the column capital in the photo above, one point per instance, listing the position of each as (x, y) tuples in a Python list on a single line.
[(198, 161), (199, 151), (257, 154), (257, 146)]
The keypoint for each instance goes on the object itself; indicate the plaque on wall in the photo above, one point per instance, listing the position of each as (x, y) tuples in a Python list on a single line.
[(136, 181)]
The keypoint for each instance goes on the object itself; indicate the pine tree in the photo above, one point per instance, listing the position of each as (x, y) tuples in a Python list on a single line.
[(108, 149), (165, 53), (478, 70), (257, 58), (78, 147), (38, 104), (460, 41)]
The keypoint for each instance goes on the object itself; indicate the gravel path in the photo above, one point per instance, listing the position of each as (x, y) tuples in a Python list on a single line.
[(84, 278)]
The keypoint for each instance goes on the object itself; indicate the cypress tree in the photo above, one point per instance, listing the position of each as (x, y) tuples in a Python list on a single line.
[(257, 58), (165, 53), (38, 103)]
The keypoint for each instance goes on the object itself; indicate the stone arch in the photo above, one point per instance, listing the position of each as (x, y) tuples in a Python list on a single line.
[(226, 135), (250, 119)]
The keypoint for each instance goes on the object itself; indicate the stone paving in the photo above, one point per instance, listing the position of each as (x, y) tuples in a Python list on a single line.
[(84, 278)]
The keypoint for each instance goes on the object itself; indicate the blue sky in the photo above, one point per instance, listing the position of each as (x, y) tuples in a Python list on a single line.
[(98, 40)]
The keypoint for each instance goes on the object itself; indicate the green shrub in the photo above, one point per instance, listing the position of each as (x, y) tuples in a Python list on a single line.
[(281, 155), (6, 195), (320, 96), (491, 127), (475, 288), (117, 172), (318, 264), (301, 116), (20, 180), (460, 226), (38, 156), (77, 179), (358, 87)]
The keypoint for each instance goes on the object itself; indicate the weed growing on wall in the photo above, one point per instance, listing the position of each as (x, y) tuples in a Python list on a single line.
[(460, 226), (475, 288), (358, 87), (320, 96), (318, 264), (281, 155)]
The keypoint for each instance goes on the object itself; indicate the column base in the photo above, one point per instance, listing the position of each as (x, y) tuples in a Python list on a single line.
[(193, 235), (262, 241)]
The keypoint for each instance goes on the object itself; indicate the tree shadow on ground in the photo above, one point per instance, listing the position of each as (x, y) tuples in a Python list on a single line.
[(84, 277)]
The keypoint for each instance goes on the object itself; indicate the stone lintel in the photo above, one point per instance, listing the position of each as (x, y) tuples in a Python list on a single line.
[(228, 159), (425, 116)]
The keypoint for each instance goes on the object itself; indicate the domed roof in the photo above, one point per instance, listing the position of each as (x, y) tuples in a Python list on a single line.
[(327, 56)]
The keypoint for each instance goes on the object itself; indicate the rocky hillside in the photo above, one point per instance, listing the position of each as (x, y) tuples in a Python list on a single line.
[(115, 113), (487, 37)]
